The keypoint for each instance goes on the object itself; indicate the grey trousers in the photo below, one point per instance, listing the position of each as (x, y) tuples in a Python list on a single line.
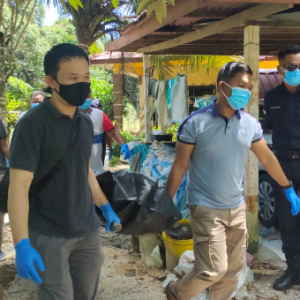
[(1, 228), (72, 266)]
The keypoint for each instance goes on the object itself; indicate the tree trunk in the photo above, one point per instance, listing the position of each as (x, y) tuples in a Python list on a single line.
[(2, 82)]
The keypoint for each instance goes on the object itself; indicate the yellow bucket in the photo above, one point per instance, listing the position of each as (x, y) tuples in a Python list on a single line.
[(175, 248)]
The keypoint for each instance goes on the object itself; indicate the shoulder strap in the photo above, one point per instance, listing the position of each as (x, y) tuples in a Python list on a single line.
[(61, 163)]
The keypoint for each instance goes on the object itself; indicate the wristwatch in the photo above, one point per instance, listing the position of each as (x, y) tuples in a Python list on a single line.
[(290, 185)]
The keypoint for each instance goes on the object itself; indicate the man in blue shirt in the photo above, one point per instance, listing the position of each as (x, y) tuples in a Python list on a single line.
[(213, 144), (282, 108)]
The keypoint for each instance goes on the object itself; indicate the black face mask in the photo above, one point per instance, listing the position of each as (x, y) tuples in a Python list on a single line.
[(75, 94)]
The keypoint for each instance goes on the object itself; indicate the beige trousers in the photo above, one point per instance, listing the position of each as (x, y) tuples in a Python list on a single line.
[(220, 243)]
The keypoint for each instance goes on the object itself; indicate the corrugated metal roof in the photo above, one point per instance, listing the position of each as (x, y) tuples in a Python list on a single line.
[(187, 21), (231, 8), (229, 42), (268, 79)]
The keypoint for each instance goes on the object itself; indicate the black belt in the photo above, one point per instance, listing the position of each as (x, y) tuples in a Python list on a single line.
[(291, 154)]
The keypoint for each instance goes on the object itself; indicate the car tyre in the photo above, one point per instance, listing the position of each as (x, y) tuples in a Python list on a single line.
[(267, 211)]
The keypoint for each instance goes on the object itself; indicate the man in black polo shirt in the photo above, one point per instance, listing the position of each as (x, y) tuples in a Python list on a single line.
[(63, 227), (282, 108), (4, 155)]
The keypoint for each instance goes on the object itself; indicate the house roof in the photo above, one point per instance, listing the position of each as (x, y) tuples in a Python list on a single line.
[(276, 29)]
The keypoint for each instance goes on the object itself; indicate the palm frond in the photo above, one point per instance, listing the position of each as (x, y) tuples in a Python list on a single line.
[(165, 65)]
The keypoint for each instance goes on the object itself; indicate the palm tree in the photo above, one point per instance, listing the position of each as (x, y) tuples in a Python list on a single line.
[(97, 19)]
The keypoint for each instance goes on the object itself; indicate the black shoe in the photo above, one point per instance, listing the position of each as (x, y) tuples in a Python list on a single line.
[(291, 276)]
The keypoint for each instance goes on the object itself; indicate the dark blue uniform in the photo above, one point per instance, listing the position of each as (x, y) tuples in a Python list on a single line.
[(283, 118)]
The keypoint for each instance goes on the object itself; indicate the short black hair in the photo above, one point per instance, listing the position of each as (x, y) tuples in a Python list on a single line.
[(293, 49), (229, 70), (61, 52), (36, 93)]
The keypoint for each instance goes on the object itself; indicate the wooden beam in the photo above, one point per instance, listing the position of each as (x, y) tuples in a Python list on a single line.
[(181, 8), (251, 56), (146, 78), (118, 100), (275, 24), (259, 11)]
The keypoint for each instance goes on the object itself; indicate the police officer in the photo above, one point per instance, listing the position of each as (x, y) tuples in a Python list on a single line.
[(282, 108)]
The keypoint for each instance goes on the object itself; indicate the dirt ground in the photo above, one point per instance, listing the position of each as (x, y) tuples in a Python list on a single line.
[(125, 277)]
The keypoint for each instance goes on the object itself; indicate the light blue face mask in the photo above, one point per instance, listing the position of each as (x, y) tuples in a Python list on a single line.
[(292, 77), (34, 104), (239, 97), (85, 105)]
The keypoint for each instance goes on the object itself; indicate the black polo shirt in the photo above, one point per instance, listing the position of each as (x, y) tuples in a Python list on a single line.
[(3, 136), (65, 206), (283, 117)]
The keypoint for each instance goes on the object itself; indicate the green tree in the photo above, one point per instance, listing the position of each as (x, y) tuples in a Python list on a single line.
[(15, 18), (17, 95), (102, 88), (157, 6), (28, 62)]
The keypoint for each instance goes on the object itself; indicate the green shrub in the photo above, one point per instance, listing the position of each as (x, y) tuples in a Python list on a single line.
[(128, 137), (173, 130), (116, 149), (114, 161)]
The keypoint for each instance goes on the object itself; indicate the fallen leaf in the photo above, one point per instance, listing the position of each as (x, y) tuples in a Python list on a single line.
[(162, 278), (265, 272), (249, 286), (130, 273)]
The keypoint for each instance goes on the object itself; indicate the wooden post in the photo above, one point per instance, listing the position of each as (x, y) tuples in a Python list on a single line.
[(141, 105), (146, 68), (251, 55), (118, 100)]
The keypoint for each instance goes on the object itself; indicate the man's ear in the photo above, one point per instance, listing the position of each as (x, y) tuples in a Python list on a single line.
[(221, 86), (50, 82), (280, 71)]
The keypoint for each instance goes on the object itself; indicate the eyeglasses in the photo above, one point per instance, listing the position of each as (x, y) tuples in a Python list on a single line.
[(291, 68)]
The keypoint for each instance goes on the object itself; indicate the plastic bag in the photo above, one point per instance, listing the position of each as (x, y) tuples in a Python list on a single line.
[(141, 205)]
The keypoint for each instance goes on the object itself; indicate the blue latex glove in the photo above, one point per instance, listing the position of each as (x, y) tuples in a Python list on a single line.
[(110, 216), (125, 150), (26, 258), (294, 199), (110, 155)]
